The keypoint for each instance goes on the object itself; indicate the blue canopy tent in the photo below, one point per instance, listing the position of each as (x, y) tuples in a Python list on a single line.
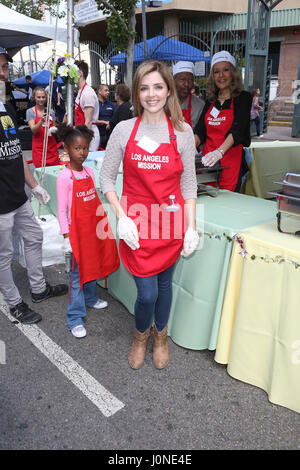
[(165, 49), (40, 78)]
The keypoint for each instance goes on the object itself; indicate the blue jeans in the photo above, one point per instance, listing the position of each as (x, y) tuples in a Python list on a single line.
[(257, 125), (79, 298), (153, 300)]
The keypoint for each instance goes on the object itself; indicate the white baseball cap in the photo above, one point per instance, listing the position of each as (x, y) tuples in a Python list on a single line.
[(222, 56), (183, 66)]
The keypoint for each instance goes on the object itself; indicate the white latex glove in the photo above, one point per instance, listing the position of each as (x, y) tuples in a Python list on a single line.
[(41, 194), (211, 158), (127, 231), (67, 246), (190, 243), (51, 131)]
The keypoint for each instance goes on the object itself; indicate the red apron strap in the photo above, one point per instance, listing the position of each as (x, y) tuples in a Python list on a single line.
[(135, 127), (173, 138)]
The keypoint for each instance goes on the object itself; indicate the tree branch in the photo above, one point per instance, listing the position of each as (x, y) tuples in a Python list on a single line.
[(113, 10)]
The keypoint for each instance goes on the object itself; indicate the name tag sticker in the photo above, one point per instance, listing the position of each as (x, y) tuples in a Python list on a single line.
[(215, 112), (148, 144)]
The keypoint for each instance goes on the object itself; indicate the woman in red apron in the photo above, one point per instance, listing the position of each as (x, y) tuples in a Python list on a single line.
[(86, 231), (36, 118), (224, 125), (155, 222)]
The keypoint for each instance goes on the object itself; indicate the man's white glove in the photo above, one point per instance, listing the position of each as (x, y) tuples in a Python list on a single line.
[(67, 246), (41, 194), (127, 231), (190, 243), (211, 158), (52, 130)]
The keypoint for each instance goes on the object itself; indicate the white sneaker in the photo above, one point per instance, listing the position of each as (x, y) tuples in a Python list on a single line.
[(78, 331), (100, 304), (260, 136)]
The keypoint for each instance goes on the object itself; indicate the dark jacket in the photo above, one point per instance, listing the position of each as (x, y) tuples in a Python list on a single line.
[(122, 113)]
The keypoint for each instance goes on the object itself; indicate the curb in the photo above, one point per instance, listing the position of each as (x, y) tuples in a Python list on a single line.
[(280, 123)]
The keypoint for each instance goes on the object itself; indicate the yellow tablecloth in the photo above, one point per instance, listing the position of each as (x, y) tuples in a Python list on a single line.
[(259, 335), (270, 162)]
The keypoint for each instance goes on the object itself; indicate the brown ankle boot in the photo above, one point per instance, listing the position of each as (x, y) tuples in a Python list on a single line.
[(138, 349), (160, 348)]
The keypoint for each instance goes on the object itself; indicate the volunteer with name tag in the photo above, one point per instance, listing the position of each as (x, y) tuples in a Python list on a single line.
[(156, 214), (224, 125)]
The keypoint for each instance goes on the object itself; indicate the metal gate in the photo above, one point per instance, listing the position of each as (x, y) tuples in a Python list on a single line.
[(207, 40)]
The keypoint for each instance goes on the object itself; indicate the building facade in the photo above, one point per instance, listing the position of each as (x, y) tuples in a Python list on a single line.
[(218, 24)]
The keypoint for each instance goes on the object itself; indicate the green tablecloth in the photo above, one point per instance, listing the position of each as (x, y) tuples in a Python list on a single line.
[(270, 162), (199, 282)]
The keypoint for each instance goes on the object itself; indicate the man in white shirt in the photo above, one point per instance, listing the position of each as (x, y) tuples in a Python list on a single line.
[(87, 105)]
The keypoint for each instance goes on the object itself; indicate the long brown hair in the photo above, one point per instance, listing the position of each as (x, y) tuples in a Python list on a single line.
[(236, 85), (172, 106)]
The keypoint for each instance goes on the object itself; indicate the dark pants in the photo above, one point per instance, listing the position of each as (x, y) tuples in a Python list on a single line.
[(257, 125), (103, 141), (60, 112), (153, 300)]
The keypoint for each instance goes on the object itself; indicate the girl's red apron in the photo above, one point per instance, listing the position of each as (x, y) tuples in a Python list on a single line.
[(149, 180), (38, 142), (187, 113), (216, 130), (93, 244), (79, 114)]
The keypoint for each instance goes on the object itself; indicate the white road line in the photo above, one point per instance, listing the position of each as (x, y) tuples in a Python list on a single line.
[(93, 390)]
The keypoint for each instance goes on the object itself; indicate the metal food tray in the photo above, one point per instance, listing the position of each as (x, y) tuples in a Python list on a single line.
[(207, 174), (289, 189), (292, 177), (288, 198)]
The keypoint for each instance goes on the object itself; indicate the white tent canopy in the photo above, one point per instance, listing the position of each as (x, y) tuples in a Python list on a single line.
[(17, 30)]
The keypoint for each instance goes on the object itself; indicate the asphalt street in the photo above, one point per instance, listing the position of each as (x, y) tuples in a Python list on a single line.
[(46, 402), (193, 404)]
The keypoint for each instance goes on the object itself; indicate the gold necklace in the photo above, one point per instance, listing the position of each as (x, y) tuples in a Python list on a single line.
[(221, 98)]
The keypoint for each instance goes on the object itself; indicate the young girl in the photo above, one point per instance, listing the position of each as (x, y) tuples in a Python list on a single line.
[(36, 117), (78, 206)]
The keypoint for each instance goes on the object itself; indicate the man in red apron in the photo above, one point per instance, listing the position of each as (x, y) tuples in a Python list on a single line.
[(87, 105), (191, 106)]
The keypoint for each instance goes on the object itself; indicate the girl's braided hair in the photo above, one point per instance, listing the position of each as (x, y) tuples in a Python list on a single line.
[(67, 133)]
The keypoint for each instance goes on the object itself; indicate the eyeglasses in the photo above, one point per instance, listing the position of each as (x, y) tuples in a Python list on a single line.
[(4, 67)]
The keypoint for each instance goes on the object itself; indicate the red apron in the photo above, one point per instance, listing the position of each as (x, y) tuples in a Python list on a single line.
[(38, 142), (187, 112), (149, 180), (79, 114), (93, 244), (216, 130)]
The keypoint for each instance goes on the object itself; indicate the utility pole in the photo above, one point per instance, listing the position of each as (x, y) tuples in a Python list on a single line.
[(144, 26), (257, 67), (70, 50)]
